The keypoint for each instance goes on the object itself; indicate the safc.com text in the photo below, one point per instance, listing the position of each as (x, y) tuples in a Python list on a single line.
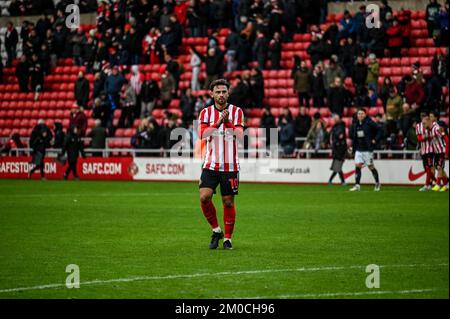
[(165, 169)]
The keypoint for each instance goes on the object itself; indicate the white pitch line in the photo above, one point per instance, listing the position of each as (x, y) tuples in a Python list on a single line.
[(349, 294), (197, 275)]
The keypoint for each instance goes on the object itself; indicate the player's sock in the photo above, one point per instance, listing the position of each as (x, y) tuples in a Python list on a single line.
[(217, 230), (341, 176), (444, 180), (332, 177), (229, 217), (358, 175), (438, 180), (210, 213), (375, 175), (428, 177)]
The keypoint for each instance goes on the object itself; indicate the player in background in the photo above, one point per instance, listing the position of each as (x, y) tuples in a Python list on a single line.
[(365, 134), (222, 125), (426, 150), (439, 149)]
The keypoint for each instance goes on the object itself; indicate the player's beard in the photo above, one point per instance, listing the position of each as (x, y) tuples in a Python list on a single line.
[(221, 101)]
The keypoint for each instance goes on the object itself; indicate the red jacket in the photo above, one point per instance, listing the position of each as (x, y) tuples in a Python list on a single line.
[(414, 93), (394, 36)]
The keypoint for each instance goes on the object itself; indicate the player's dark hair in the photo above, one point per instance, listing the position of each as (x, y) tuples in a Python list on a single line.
[(362, 110), (423, 115), (435, 113), (219, 82)]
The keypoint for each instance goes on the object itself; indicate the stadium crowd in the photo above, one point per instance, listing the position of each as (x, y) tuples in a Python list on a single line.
[(130, 33)]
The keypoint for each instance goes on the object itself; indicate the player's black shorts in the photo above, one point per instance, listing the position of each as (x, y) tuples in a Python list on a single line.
[(439, 160), (428, 160), (229, 181)]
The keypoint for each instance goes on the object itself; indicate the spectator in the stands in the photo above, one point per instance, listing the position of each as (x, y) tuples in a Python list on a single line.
[(98, 137), (433, 93), (79, 120), (23, 73), (404, 20), (431, 12), (332, 71), (99, 85), (346, 25), (231, 47), (384, 9), (347, 53), (377, 37), (275, 51), (136, 79), (11, 40), (411, 142), (315, 50), (59, 134), (337, 97), (13, 142), (286, 131), (128, 103), (267, 123), (256, 87), (317, 87), (373, 71), (302, 84), (150, 93), (195, 64), (362, 98), (167, 88), (36, 73), (174, 68), (260, 49), (385, 89), (187, 106), (113, 85), (302, 125), (393, 106), (133, 44), (316, 136), (244, 52), (373, 97), (240, 92), (439, 66), (395, 40), (406, 118), (214, 64), (442, 19), (359, 72), (414, 93), (81, 90), (102, 110), (88, 55), (78, 40)]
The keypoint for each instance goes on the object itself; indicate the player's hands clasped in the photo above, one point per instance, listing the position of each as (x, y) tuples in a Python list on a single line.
[(224, 116)]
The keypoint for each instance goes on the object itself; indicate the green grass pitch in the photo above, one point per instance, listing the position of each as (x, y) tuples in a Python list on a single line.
[(150, 240)]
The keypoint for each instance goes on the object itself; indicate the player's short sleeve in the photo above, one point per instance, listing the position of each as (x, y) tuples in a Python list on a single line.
[(203, 117), (239, 118), (418, 129)]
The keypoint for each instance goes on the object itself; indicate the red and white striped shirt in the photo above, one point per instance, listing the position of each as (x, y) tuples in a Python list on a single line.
[(438, 141), (221, 146), (425, 146)]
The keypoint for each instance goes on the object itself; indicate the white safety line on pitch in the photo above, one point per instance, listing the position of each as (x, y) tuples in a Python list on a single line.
[(350, 294), (227, 273)]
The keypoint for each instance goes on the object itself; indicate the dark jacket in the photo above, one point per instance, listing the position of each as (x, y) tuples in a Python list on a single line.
[(337, 99), (338, 141), (74, 146), (150, 91), (362, 135), (214, 64), (81, 90), (37, 141), (98, 137)]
